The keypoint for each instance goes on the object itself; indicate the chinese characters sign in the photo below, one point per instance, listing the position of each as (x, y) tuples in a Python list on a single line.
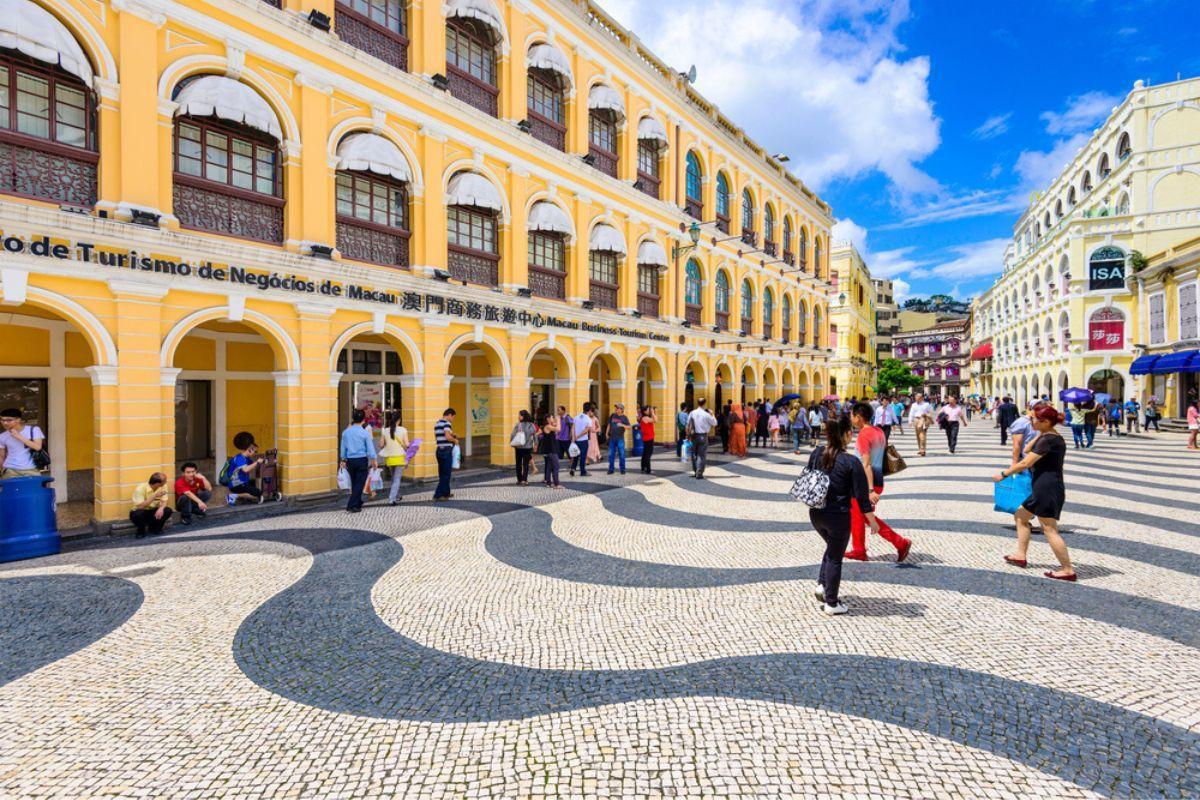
[(1106, 330)]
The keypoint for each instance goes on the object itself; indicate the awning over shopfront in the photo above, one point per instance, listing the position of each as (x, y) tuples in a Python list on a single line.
[(228, 99), (651, 128), (470, 189), (606, 238), (34, 31), (370, 151), (1182, 361), (1143, 365), (982, 352)]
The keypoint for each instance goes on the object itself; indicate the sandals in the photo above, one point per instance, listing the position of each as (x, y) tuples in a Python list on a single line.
[(1016, 562), (1071, 578)]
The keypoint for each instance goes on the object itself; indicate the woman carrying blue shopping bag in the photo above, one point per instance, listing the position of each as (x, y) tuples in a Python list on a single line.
[(1044, 460)]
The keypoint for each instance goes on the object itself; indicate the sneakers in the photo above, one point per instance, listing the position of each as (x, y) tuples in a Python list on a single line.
[(835, 611), (820, 594), (855, 555), (902, 551), (231, 500)]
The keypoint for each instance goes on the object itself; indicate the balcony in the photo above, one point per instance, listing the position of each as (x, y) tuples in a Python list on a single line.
[(473, 267), (647, 304), (375, 244), (692, 314), (767, 330), (604, 161), (472, 91), (694, 209), (547, 131), (48, 171), (723, 224), (648, 184), (789, 258), (769, 248), (723, 320), (368, 36), (548, 283), (787, 334), (247, 215), (602, 294), (749, 238)]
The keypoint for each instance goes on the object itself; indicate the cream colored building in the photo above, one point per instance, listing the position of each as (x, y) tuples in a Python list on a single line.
[(852, 331), (1065, 310)]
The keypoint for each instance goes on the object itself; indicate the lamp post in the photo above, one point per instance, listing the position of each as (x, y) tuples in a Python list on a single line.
[(693, 232)]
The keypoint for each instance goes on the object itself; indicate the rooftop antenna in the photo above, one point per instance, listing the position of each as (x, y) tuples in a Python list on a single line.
[(691, 74)]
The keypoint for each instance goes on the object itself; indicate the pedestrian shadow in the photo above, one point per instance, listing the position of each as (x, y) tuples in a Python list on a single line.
[(136, 572), (914, 560), (885, 607)]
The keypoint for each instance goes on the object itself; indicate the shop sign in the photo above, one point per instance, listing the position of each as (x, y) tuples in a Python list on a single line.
[(1105, 335), (419, 302), (1106, 270)]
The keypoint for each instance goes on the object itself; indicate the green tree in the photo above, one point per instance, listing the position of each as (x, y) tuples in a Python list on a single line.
[(895, 374)]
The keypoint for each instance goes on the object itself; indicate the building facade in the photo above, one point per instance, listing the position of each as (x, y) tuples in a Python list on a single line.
[(1169, 364), (887, 318), (1065, 311), (939, 356), (853, 321), (244, 215)]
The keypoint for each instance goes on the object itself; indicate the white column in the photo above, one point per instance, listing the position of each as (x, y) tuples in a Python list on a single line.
[(220, 451), (57, 412)]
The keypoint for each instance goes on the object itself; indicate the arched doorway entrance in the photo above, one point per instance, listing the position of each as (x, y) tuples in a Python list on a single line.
[(478, 371), (770, 389), (606, 379), (725, 390), (1107, 381), (550, 381), (44, 374), (375, 373), (651, 383), (695, 383), (749, 385)]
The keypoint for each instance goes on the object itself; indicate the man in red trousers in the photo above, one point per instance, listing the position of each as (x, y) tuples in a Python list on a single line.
[(871, 445)]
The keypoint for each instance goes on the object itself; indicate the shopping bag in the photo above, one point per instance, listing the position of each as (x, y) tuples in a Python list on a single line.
[(573, 450), (456, 457), (375, 480), (343, 478), (1012, 491), (685, 452)]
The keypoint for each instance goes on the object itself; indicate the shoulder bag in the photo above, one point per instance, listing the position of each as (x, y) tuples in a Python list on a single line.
[(893, 462)]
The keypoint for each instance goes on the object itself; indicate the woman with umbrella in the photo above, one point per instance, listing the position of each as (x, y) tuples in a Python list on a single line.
[(1044, 459)]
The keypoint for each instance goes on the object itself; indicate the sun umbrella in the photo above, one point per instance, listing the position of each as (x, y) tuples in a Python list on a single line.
[(1075, 395), (832, 397), (787, 398), (1101, 397)]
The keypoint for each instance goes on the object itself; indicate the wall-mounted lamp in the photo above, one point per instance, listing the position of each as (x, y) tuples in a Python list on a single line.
[(318, 20), (440, 81)]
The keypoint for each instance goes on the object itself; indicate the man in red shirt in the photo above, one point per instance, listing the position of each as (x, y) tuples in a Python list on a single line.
[(871, 445), (192, 492)]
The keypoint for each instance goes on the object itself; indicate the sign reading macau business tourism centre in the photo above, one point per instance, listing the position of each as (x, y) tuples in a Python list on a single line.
[(128, 260)]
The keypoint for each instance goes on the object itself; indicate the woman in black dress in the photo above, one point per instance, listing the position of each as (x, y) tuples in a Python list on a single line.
[(1044, 459)]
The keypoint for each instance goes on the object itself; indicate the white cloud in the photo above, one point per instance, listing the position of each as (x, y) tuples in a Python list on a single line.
[(992, 127), (995, 171), (900, 289), (1082, 113), (886, 264), (968, 261), (819, 80), (1037, 168), (974, 203)]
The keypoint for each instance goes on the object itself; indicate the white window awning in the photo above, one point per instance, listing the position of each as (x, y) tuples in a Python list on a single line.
[(547, 56), (34, 31), (374, 153), (472, 189), (651, 253), (606, 238), (546, 216), (483, 10), (651, 128), (228, 99), (606, 97)]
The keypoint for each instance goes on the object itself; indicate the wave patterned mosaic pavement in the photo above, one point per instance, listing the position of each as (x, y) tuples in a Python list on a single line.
[(627, 637)]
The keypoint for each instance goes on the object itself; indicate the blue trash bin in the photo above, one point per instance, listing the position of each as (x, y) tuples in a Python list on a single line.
[(637, 440), (28, 521)]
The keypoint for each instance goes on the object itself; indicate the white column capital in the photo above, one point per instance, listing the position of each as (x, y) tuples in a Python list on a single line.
[(102, 375), (287, 377), (169, 375)]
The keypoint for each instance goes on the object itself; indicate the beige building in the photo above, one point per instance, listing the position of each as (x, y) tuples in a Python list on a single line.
[(887, 317), (852, 323)]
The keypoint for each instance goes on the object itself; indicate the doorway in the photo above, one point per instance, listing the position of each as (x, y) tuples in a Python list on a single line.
[(194, 423)]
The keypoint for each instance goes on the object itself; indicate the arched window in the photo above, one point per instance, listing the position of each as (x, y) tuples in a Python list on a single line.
[(548, 78), (48, 142), (652, 144), (789, 257), (1046, 221), (748, 217), (694, 205), (1103, 169), (1085, 185), (1123, 204), (473, 206), (471, 47), (693, 293), (1124, 148), (768, 313), (747, 306), (803, 249), (769, 231), (786, 318), (722, 293), (802, 321), (1064, 329), (651, 261), (1037, 230), (1071, 198), (377, 27), (818, 324), (605, 113), (722, 202), (1106, 329), (372, 200), (818, 262), (228, 177), (549, 228), (1058, 210), (606, 248)]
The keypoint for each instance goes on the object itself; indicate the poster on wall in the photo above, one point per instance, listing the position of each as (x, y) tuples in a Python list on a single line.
[(481, 407), (1106, 330), (368, 398)]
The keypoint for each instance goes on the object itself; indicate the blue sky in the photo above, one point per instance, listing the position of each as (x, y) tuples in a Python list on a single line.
[(925, 124)]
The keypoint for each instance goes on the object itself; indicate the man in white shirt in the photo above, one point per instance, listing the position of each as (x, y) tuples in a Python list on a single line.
[(920, 416), (580, 433), (700, 422), (884, 417)]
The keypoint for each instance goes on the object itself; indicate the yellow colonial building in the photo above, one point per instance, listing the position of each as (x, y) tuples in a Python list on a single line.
[(1066, 312), (237, 215), (1170, 334), (852, 330)]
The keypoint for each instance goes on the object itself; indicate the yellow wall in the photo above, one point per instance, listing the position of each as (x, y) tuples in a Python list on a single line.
[(24, 346), (80, 424), (250, 406)]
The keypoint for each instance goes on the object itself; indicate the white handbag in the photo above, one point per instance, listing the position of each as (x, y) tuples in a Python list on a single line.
[(343, 478), (573, 450), (811, 488), (518, 439)]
